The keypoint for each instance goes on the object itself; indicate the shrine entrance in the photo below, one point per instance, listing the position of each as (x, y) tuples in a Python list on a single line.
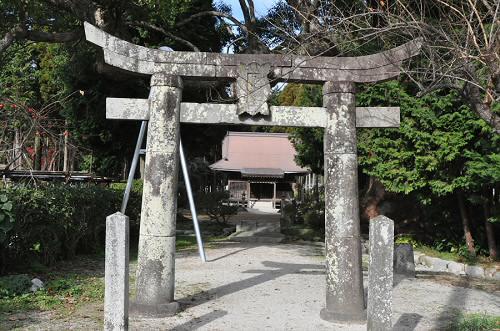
[(262, 190), (251, 76)]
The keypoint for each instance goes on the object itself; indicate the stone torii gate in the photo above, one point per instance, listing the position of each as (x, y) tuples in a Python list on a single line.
[(252, 74)]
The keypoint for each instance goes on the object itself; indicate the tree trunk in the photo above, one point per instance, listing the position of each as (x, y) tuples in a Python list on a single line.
[(469, 241), (373, 197), (490, 232)]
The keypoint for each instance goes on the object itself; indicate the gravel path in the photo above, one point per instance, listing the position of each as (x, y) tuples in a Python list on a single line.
[(282, 287)]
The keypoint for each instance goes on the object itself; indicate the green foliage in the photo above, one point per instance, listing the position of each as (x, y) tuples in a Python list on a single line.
[(476, 322), (14, 285), (6, 217), (315, 219), (308, 142), (406, 239), (215, 205), (441, 146), (56, 221), (46, 76)]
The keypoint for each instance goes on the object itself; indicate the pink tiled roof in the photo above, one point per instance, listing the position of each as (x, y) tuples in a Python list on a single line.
[(258, 150)]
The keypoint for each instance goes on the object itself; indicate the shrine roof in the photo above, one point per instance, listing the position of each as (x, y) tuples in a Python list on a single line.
[(258, 153)]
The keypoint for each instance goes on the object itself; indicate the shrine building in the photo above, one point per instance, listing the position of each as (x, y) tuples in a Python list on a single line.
[(259, 167)]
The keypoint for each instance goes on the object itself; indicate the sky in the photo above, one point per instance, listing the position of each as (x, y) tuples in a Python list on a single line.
[(261, 7)]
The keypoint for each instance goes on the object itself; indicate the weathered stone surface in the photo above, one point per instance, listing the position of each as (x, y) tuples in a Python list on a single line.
[(391, 56), (344, 281), (274, 60), (344, 278), (380, 275), (124, 48), (456, 268), (156, 270), (474, 271), (155, 265), (340, 130), (404, 263), (142, 60), (253, 89), (436, 264), (210, 113), (36, 284), (127, 109), (341, 188), (116, 273), (149, 68)]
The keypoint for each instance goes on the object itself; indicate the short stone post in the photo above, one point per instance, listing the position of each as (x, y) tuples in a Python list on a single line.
[(380, 274), (404, 261), (156, 260), (116, 271), (344, 277)]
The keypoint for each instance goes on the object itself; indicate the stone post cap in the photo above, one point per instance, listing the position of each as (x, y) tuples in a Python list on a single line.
[(339, 87), (163, 79), (118, 214), (380, 219)]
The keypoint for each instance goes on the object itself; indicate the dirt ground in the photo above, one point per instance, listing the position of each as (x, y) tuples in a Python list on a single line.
[(248, 286)]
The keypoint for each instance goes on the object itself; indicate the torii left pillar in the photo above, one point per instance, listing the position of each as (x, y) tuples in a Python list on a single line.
[(155, 282), (344, 277)]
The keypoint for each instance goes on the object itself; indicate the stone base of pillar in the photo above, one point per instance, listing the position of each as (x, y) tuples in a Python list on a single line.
[(355, 317), (156, 311)]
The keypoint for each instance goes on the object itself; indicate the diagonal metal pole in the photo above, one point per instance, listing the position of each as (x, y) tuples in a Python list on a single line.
[(191, 203), (133, 166), (130, 179)]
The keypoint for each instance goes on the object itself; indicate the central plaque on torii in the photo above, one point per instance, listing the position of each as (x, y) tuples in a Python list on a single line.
[(251, 75)]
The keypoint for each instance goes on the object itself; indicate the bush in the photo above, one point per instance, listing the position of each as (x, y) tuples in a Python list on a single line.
[(14, 285), (312, 212), (314, 219), (6, 218), (215, 205), (53, 222)]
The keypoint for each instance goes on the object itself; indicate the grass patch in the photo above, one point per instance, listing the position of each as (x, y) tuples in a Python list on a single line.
[(62, 292), (476, 322), (454, 256), (69, 284), (449, 252)]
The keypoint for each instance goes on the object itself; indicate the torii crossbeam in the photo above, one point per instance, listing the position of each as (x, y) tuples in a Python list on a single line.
[(252, 75)]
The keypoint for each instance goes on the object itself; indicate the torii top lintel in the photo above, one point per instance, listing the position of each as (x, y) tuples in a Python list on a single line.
[(143, 60)]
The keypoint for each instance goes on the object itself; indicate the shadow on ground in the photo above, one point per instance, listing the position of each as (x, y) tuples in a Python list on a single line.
[(262, 276)]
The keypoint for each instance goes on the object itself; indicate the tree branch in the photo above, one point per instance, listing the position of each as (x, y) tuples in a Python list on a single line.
[(10, 37), (57, 37), (215, 14), (166, 33), (18, 33)]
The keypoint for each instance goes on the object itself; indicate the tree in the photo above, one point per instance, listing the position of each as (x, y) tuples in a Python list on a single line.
[(36, 75), (308, 142), (461, 40), (441, 149)]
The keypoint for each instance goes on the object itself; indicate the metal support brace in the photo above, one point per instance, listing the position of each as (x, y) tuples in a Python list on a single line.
[(192, 207), (133, 166)]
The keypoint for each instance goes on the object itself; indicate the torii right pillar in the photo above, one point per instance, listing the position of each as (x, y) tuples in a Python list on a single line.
[(344, 278)]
